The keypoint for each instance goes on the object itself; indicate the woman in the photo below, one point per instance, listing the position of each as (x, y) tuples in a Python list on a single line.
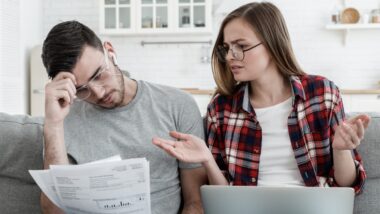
[(270, 124)]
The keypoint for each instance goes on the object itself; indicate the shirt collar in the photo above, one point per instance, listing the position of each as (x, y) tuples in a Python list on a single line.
[(296, 86)]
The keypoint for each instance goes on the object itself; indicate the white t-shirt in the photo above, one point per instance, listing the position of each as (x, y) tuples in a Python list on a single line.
[(278, 166)]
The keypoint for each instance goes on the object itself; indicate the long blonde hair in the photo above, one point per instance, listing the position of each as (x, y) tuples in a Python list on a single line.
[(269, 25)]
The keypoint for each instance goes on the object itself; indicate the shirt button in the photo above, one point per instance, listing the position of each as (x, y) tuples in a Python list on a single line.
[(253, 180), (256, 151)]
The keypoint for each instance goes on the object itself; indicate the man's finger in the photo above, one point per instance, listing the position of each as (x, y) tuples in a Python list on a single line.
[(65, 75)]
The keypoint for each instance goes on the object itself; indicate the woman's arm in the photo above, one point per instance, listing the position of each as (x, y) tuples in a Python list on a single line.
[(192, 149)]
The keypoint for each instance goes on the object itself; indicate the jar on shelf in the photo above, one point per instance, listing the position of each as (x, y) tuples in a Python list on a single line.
[(375, 14), (335, 14)]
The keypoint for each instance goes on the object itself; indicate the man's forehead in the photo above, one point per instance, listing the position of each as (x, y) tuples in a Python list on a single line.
[(88, 63)]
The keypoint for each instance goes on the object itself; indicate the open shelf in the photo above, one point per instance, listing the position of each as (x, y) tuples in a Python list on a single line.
[(347, 27)]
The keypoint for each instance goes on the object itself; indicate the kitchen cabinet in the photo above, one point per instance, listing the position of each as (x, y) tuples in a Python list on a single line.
[(38, 80), (130, 17)]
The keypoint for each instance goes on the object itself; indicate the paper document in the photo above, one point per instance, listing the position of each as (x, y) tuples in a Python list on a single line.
[(107, 186)]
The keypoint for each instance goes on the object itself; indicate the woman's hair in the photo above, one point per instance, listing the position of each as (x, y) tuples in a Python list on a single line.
[(269, 25)]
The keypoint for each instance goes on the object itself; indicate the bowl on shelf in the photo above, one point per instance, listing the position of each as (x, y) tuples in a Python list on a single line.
[(350, 16)]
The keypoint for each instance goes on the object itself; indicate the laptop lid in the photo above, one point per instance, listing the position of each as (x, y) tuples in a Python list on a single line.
[(277, 200)]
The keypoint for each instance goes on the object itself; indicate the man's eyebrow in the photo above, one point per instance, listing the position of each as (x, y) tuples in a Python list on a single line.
[(92, 76)]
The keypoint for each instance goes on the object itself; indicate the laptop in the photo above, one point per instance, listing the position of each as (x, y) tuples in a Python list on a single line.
[(277, 200)]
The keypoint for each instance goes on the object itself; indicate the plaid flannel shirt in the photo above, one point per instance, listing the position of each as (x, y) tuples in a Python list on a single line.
[(234, 134)]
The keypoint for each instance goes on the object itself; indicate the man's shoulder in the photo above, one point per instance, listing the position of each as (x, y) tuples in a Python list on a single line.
[(165, 92)]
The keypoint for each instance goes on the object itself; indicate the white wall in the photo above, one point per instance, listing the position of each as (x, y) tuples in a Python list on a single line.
[(20, 29), (319, 51)]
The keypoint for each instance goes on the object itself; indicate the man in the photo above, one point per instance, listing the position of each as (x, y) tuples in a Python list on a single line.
[(93, 111)]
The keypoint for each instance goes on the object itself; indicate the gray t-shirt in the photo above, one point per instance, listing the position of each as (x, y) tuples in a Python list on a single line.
[(93, 133)]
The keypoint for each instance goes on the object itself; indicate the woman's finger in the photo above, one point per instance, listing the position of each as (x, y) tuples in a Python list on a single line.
[(360, 129), (159, 141), (352, 133), (179, 135)]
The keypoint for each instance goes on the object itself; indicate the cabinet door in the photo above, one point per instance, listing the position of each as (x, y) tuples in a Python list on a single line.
[(38, 80), (117, 16), (154, 16), (194, 15)]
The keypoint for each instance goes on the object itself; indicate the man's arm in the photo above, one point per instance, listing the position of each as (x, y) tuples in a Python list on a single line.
[(59, 94), (191, 181)]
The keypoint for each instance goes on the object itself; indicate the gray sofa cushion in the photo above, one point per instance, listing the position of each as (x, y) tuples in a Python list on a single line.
[(21, 142), (369, 149)]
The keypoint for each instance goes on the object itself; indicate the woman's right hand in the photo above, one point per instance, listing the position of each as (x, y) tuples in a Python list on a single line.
[(59, 95), (188, 148)]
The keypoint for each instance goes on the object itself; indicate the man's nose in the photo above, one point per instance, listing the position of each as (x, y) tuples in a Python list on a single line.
[(98, 91)]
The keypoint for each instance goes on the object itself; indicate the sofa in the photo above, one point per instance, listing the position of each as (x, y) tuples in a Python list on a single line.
[(21, 143)]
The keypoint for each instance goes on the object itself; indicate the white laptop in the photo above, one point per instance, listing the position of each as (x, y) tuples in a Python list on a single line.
[(277, 200)]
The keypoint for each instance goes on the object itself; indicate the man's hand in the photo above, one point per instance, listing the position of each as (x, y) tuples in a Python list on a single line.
[(59, 95)]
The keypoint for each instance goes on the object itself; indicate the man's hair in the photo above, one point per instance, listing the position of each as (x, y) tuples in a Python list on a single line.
[(64, 45)]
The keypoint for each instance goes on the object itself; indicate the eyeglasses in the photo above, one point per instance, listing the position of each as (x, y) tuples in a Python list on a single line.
[(97, 81), (237, 51)]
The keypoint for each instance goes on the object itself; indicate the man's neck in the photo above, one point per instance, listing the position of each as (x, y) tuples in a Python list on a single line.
[(130, 90)]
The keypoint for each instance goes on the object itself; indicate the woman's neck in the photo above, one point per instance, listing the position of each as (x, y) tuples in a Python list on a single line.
[(269, 90)]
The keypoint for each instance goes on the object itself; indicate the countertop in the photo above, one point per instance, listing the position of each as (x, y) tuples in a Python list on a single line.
[(197, 91)]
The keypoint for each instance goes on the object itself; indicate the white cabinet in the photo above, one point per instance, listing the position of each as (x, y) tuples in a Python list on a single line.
[(129, 17), (361, 102), (38, 80)]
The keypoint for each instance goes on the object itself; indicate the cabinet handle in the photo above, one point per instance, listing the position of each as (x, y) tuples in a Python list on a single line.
[(38, 91)]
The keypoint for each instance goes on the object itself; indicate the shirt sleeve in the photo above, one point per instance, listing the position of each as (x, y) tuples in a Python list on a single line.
[(215, 142), (337, 116), (190, 122)]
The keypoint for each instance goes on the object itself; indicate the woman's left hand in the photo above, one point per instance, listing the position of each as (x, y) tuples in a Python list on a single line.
[(349, 133)]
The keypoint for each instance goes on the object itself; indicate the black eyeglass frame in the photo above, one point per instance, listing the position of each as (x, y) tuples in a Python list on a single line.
[(222, 56)]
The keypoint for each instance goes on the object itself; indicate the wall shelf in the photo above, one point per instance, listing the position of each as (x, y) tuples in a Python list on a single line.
[(348, 27)]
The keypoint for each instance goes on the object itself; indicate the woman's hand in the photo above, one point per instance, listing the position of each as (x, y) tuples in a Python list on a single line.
[(349, 133), (189, 148)]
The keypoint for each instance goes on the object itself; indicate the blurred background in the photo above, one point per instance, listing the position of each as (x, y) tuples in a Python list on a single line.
[(170, 42)]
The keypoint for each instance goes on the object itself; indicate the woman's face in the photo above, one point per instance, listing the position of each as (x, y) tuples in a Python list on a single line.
[(238, 35)]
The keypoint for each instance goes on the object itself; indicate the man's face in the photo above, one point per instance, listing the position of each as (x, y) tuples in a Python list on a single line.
[(100, 80)]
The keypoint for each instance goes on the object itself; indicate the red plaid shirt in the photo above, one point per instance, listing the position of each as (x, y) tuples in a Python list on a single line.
[(234, 134)]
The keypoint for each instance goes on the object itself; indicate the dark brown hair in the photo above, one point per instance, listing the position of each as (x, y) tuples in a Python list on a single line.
[(64, 45)]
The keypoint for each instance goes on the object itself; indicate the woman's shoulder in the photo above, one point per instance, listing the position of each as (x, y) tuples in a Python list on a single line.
[(223, 102), (319, 86), (316, 81)]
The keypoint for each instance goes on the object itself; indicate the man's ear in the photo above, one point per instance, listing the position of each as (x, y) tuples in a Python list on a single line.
[(111, 52), (114, 60)]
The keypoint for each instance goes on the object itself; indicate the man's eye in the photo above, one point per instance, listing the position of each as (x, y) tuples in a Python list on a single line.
[(98, 76)]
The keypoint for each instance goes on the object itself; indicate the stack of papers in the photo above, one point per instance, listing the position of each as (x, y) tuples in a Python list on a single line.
[(110, 185)]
